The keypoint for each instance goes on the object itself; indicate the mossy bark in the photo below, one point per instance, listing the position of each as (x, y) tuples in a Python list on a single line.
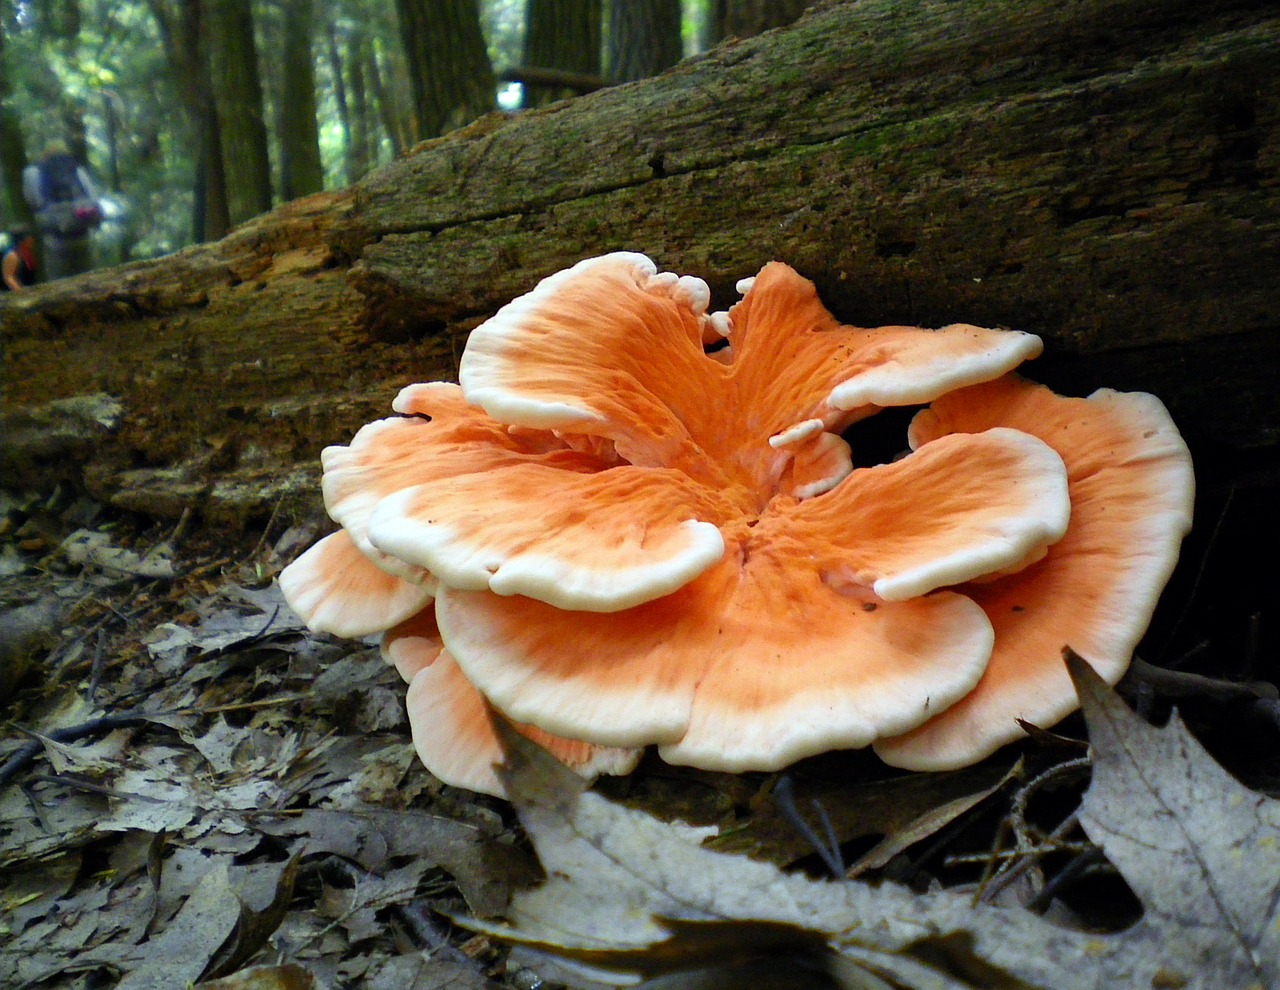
[(1105, 173)]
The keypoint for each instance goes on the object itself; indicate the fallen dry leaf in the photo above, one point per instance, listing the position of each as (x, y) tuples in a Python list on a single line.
[(1200, 849), (181, 952), (629, 897)]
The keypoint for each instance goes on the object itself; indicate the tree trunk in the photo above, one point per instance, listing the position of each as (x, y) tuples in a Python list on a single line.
[(1105, 174), (394, 122), (337, 72), (643, 38), (448, 63), (237, 92), (561, 34), (361, 154), (14, 160), (300, 170), (747, 18), (182, 26)]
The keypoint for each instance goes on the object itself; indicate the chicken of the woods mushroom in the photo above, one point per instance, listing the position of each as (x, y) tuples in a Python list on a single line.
[(635, 522)]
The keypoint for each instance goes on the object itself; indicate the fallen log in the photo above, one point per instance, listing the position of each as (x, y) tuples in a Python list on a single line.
[(1105, 173)]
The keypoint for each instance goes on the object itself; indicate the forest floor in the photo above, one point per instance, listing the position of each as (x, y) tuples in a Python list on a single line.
[(195, 790)]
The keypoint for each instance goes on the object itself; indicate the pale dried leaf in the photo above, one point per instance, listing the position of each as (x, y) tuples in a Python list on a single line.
[(484, 870), (1199, 849), (181, 952), (45, 820), (92, 759), (93, 548)]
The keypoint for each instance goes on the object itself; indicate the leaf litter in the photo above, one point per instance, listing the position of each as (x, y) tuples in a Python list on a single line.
[(195, 790), (204, 790)]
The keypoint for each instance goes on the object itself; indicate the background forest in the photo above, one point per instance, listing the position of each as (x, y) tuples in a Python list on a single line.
[(194, 115)]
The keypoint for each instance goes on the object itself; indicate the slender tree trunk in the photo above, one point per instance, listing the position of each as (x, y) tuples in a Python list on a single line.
[(643, 38), (364, 120), (337, 73), (449, 68), (182, 26), (14, 160), (388, 109), (111, 124), (747, 18), (114, 249), (213, 209), (561, 34), (237, 92), (300, 170)]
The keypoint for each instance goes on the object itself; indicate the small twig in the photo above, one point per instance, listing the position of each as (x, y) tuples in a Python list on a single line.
[(180, 530), (25, 755), (990, 859), (530, 75), (213, 565), (266, 530), (1082, 861), (1029, 851), (59, 653), (1053, 842), (275, 613), (238, 706), (1050, 842), (829, 834), (1194, 653), (37, 810), (84, 785), (95, 669)]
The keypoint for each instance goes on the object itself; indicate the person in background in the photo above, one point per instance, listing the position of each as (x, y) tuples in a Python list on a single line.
[(18, 261), (65, 201)]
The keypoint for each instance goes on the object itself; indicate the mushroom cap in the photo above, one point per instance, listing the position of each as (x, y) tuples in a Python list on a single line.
[(452, 495), (452, 724), (719, 667), (789, 645), (337, 589), (612, 348), (597, 542), (1131, 486)]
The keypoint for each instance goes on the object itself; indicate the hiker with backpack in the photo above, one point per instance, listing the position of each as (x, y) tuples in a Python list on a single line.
[(64, 199)]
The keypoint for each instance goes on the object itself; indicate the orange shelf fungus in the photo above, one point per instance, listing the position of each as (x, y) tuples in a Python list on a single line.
[(617, 538)]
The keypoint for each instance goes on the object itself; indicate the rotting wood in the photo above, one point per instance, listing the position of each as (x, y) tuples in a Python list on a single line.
[(1102, 172)]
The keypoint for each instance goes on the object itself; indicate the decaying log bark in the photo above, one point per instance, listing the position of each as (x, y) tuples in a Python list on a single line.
[(1105, 173)]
